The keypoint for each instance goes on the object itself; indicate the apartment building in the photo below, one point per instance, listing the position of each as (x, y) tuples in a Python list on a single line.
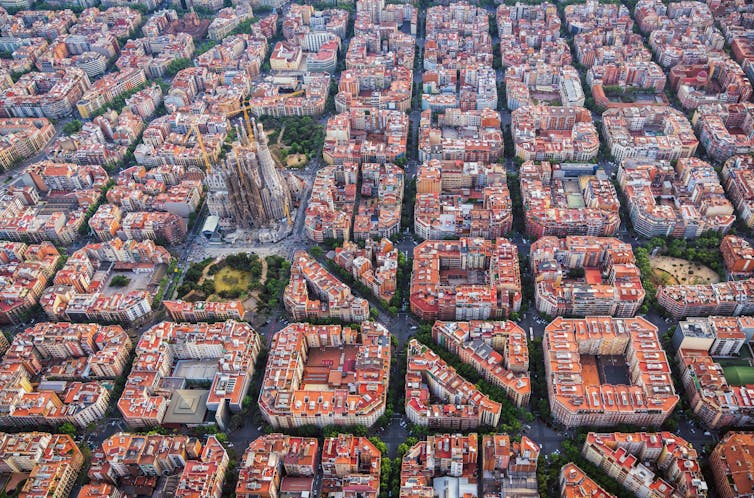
[(77, 362), (375, 266), (626, 77), (456, 135), (447, 200), (351, 467), (568, 199), (204, 311), (51, 461), (138, 460), (108, 88), (725, 129), (290, 95), (696, 84), (227, 20), (372, 47), (738, 256), (169, 140), (712, 398), (368, 135), (574, 350), (622, 457), (607, 45), (154, 53), (738, 180), (719, 335), (444, 464), (230, 347), (575, 483), (536, 82), (650, 132), (309, 364), (681, 200), (21, 138), (457, 36), (437, 397), (724, 298), (497, 350), (313, 292), (465, 279), (50, 202), (731, 462), (509, 468), (318, 32), (531, 33), (549, 133), (276, 464), (375, 87), (25, 271), (585, 276), (592, 15), (44, 95)]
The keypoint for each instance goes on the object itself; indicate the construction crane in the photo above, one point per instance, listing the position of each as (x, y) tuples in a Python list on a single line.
[(195, 131), (287, 213)]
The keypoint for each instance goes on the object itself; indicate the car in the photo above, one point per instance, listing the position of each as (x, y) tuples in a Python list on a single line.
[(414, 327), (707, 433), (259, 428)]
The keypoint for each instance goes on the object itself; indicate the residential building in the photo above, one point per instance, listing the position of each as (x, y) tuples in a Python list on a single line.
[(497, 350), (531, 33), (622, 457), (720, 80), (447, 200), (294, 95), (50, 202), (724, 298), (138, 460), (509, 468), (232, 349), (22, 138), (275, 464), (51, 461), (437, 397), (568, 199), (585, 276), (650, 132), (575, 483), (460, 135), (375, 266), (204, 311), (73, 361), (738, 256), (536, 82), (313, 292), (725, 129), (308, 367), (681, 200), (108, 88), (738, 180), (444, 464), (465, 279), (351, 467), (25, 271), (50, 95), (712, 398), (549, 133), (574, 350), (375, 87), (731, 462), (368, 135)]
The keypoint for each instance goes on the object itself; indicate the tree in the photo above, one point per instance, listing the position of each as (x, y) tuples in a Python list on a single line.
[(72, 127), (221, 437), (67, 428), (120, 281)]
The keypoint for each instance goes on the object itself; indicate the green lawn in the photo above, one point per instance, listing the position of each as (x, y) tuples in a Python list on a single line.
[(228, 279), (739, 376)]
